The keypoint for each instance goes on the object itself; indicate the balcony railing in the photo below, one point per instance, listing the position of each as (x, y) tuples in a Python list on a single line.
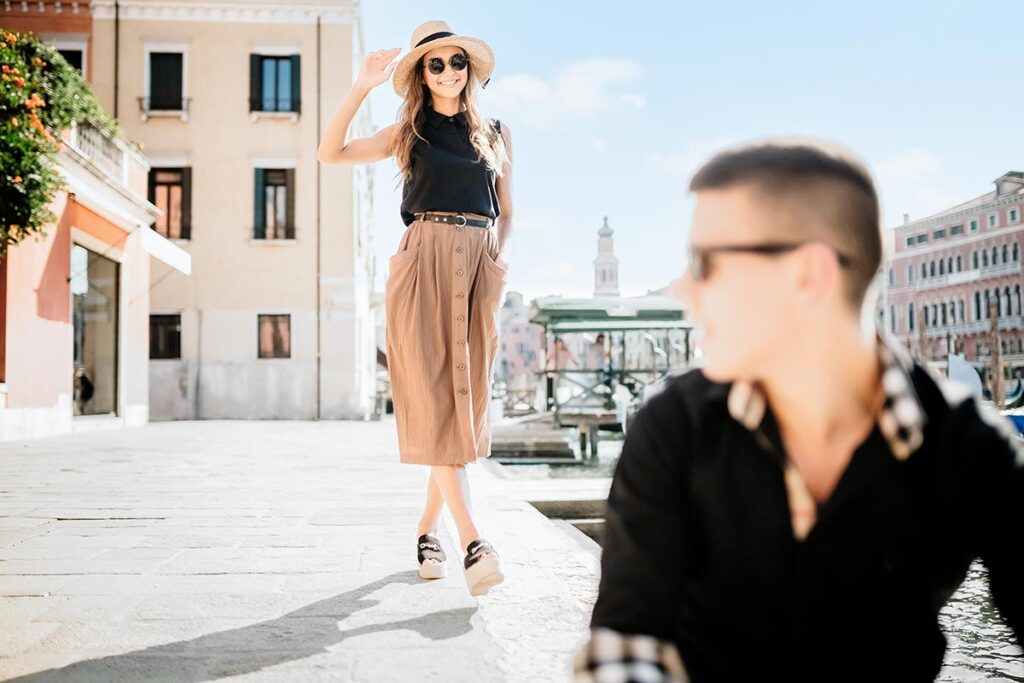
[(109, 156), (174, 105), (1013, 322), (973, 275)]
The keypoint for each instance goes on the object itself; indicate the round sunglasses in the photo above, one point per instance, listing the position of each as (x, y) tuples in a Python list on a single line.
[(457, 61)]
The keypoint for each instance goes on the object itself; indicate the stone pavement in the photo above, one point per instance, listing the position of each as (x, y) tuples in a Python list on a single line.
[(267, 551)]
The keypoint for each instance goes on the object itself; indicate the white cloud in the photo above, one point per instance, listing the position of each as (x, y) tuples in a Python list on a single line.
[(636, 99), (600, 145), (579, 89), (686, 162), (908, 182), (910, 166)]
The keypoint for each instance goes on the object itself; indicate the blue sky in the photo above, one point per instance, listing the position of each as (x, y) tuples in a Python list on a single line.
[(612, 106)]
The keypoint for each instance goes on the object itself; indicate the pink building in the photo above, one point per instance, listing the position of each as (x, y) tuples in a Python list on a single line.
[(519, 354), (946, 271)]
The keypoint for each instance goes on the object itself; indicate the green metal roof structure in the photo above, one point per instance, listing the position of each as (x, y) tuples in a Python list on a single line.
[(610, 313)]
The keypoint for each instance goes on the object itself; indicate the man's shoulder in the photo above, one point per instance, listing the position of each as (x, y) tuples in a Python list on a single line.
[(685, 400)]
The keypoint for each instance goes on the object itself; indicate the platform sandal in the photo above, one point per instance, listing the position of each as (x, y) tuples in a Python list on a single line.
[(429, 548), (481, 573)]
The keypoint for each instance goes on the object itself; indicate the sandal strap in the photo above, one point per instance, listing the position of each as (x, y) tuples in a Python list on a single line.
[(429, 548), (476, 550)]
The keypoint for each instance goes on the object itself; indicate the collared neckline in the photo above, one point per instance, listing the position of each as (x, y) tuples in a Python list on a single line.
[(436, 118), (901, 418)]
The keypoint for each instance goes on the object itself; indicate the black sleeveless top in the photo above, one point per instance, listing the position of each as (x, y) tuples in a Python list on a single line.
[(446, 175)]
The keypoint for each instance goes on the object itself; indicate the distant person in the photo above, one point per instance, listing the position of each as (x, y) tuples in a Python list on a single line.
[(559, 359), (799, 508), (83, 390), (597, 360), (445, 281)]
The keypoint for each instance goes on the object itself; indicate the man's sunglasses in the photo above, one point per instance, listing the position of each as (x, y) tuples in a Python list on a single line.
[(700, 257), (458, 61)]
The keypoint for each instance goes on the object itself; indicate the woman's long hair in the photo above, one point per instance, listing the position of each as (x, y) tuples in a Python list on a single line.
[(488, 143)]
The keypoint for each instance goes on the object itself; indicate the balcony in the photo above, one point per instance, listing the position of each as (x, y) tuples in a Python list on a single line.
[(164, 106), (109, 157), (1008, 323), (965, 277)]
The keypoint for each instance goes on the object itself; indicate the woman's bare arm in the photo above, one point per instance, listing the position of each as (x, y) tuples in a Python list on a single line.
[(334, 149), (503, 187)]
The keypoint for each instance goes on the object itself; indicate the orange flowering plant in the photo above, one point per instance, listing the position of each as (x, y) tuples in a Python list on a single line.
[(41, 96)]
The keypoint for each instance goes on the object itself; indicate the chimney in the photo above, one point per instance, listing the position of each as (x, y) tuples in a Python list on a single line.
[(906, 218)]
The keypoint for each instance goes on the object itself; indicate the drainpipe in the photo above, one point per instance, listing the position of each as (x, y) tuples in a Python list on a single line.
[(117, 53), (319, 360)]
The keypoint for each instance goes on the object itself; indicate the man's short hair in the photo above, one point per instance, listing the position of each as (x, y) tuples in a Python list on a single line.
[(825, 188)]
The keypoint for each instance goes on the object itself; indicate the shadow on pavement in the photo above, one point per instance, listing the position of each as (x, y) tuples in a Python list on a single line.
[(299, 634)]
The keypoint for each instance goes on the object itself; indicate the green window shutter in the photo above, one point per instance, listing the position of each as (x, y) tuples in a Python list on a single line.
[(186, 203), (289, 177), (255, 83), (260, 229), (296, 85)]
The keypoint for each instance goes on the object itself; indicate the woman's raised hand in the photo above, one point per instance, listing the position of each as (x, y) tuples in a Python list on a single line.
[(378, 67)]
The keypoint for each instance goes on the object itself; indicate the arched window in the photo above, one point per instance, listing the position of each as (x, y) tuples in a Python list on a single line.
[(995, 255), (924, 270), (910, 316), (1016, 294), (1016, 253), (984, 259), (974, 260), (942, 266), (961, 307), (959, 264), (949, 265), (892, 318), (931, 269), (1006, 253), (977, 306)]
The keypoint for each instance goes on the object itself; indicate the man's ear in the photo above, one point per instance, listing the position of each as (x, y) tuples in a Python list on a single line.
[(817, 270)]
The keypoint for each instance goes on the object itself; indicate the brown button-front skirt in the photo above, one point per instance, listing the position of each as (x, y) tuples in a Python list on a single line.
[(442, 296)]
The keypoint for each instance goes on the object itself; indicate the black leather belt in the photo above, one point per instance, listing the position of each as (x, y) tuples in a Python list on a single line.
[(457, 220)]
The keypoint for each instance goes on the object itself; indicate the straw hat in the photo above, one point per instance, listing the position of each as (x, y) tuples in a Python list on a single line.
[(435, 34)]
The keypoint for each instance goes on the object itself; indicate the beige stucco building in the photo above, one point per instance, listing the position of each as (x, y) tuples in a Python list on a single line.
[(229, 100)]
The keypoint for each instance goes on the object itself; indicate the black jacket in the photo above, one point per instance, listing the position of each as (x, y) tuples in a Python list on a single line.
[(700, 553)]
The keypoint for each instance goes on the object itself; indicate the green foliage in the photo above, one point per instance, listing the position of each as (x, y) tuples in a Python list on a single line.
[(41, 96)]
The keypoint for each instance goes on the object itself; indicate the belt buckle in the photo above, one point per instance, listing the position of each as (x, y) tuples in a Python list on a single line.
[(457, 217)]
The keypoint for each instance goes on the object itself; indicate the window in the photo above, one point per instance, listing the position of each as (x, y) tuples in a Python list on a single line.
[(974, 260), (974, 225), (75, 58), (275, 336), (949, 265), (274, 83), (942, 266), (1006, 253), (977, 306), (910, 273), (274, 205), (984, 258), (922, 238), (940, 234), (960, 310), (959, 264), (944, 314), (892, 277), (166, 78), (924, 270), (910, 241), (170, 189), (993, 220), (910, 316), (931, 269), (165, 337), (956, 230), (892, 318), (995, 255), (1016, 253), (1013, 215)]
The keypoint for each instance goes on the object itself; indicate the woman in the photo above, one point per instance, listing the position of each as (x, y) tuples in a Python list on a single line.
[(445, 282)]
